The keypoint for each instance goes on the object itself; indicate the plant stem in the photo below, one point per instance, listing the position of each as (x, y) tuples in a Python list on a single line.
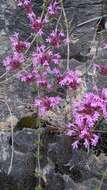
[(67, 37)]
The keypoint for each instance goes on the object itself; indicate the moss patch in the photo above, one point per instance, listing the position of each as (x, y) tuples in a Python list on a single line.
[(29, 122)]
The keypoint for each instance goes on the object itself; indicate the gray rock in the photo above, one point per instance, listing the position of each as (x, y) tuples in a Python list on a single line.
[(55, 181), (92, 184), (23, 166), (63, 169), (60, 151), (25, 140), (69, 183)]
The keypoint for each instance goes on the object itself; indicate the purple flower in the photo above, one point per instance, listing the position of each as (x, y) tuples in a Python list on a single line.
[(86, 113), (103, 70), (71, 79), (41, 79), (83, 133), (55, 38), (56, 71), (70, 130), (94, 140), (86, 144), (104, 93), (75, 144), (26, 77), (13, 61), (105, 46), (37, 23), (53, 8), (39, 104), (17, 44), (90, 107), (44, 57), (56, 58), (70, 133), (26, 4), (54, 101), (45, 104)]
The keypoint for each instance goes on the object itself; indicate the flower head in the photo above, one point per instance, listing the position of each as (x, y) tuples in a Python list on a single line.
[(94, 140), (86, 144), (70, 79), (86, 113), (103, 70), (55, 38), (104, 93), (26, 4), (13, 61), (45, 104), (53, 8), (37, 23), (44, 57), (83, 135), (90, 108), (26, 76), (41, 79), (105, 46), (17, 44), (75, 144)]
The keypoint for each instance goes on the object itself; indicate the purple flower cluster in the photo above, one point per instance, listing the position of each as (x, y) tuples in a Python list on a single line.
[(40, 79), (25, 4), (86, 114), (45, 57), (45, 104), (54, 8), (102, 69), (37, 23), (56, 38), (17, 44), (13, 61), (45, 63), (26, 76), (70, 79)]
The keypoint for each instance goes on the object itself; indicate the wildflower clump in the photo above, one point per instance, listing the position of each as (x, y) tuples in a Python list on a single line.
[(87, 113)]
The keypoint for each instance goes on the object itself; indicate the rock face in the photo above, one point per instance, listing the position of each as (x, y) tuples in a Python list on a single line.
[(21, 176), (63, 168)]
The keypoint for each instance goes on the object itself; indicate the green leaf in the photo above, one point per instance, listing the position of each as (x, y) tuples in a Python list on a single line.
[(39, 174), (37, 142), (36, 156), (39, 39), (38, 187)]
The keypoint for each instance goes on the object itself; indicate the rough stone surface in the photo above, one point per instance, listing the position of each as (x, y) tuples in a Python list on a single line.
[(21, 175), (25, 141), (63, 169)]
